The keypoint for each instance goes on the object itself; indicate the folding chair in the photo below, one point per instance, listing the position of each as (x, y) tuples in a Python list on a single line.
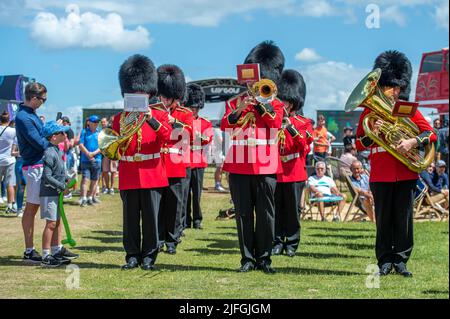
[(338, 170), (311, 203), (356, 200), (428, 205)]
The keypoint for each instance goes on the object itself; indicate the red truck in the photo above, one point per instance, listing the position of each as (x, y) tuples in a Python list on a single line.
[(432, 83)]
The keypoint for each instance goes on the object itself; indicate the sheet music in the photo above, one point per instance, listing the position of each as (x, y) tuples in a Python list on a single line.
[(136, 102)]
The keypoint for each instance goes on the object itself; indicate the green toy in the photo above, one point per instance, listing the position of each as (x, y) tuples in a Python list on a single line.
[(69, 239)]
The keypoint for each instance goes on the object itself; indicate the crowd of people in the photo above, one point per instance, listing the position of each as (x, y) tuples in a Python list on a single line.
[(162, 158)]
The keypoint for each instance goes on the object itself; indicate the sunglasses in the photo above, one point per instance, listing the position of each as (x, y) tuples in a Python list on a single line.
[(41, 98)]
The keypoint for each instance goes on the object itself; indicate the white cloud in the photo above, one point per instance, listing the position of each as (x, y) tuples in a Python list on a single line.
[(316, 8), (394, 14), (307, 55), (212, 13), (441, 15), (87, 30), (329, 84)]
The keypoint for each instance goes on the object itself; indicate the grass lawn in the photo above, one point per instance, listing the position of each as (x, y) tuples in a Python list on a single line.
[(331, 261)]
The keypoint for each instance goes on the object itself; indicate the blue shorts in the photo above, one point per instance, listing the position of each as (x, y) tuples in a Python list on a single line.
[(91, 170)]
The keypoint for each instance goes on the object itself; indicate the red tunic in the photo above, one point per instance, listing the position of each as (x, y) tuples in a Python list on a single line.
[(148, 173), (177, 151), (202, 136), (384, 166), (294, 151), (254, 149)]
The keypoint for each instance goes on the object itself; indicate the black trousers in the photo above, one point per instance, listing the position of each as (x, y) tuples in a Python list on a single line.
[(141, 204), (169, 212), (254, 194), (287, 221), (195, 188), (394, 217), (182, 224)]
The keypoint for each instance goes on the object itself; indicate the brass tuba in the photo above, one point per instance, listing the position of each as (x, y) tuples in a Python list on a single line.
[(394, 129), (111, 143)]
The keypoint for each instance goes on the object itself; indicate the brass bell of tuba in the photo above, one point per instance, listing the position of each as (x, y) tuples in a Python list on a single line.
[(112, 144), (394, 129)]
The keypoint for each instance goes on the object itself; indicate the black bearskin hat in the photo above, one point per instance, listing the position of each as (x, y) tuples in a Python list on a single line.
[(270, 59), (171, 82), (292, 88), (396, 70), (405, 92), (195, 96), (138, 74)]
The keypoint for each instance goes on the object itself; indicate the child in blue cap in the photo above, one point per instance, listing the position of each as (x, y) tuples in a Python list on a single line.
[(53, 182)]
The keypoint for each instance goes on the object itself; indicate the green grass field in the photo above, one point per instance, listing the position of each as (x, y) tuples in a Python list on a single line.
[(331, 261)]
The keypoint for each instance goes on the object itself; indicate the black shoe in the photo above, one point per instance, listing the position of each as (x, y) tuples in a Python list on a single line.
[(277, 250), (64, 253), (32, 258), (385, 269), (266, 268), (198, 226), (290, 252), (171, 250), (132, 263), (148, 264), (248, 266), (51, 262), (402, 270)]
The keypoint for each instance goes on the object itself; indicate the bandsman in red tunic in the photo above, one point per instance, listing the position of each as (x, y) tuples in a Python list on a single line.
[(392, 183), (142, 175), (171, 89), (202, 134), (253, 162), (294, 140)]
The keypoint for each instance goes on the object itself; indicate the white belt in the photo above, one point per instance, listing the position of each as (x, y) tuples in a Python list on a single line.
[(253, 142), (197, 147), (140, 157), (290, 157), (377, 150), (171, 150)]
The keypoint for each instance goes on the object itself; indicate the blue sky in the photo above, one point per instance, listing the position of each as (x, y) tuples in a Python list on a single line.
[(76, 47)]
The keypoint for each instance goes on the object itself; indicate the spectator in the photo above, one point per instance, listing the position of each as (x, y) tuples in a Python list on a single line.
[(436, 128), (218, 155), (443, 144), (109, 167), (53, 183), (31, 145), (69, 150), (361, 183), (440, 177), (330, 138), (349, 137), (8, 151), (321, 186), (321, 143), (437, 187), (349, 155), (90, 161)]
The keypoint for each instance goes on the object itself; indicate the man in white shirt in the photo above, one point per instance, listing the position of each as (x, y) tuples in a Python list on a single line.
[(322, 187), (219, 157), (8, 150)]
